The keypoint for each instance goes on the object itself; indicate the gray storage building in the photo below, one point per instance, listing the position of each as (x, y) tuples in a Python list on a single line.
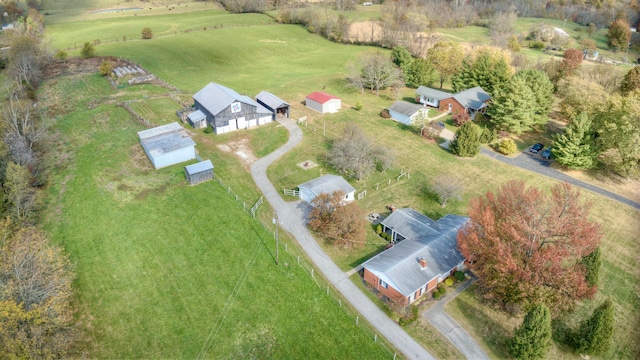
[(273, 103), (199, 172), (326, 184), (197, 119), (167, 145)]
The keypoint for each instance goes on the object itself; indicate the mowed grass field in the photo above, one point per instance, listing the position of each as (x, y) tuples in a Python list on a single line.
[(161, 265), (291, 63)]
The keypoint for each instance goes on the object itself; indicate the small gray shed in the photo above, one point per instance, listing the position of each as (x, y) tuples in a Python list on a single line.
[(167, 145), (199, 172), (197, 119), (326, 184), (273, 103)]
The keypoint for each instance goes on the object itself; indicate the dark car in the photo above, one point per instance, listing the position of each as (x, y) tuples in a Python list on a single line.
[(547, 153), (537, 147)]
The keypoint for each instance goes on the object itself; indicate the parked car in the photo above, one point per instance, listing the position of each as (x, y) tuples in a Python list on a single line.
[(440, 125), (537, 147), (547, 153)]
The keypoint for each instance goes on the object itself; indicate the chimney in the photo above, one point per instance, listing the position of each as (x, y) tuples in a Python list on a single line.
[(423, 262)]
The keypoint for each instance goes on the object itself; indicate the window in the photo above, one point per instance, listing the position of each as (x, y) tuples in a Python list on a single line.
[(383, 284)]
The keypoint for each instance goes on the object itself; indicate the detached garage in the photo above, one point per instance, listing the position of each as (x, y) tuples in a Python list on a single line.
[(405, 112), (167, 145), (326, 184), (323, 102)]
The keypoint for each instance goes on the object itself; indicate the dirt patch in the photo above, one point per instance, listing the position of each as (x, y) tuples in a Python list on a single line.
[(240, 147), (139, 159), (307, 164), (370, 32)]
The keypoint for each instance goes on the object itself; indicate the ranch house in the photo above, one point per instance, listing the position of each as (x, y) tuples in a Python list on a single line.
[(471, 100), (424, 255), (326, 184), (323, 102), (406, 112), (226, 110)]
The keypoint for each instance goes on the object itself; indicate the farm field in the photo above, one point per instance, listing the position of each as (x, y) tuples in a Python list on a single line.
[(291, 63), (162, 265)]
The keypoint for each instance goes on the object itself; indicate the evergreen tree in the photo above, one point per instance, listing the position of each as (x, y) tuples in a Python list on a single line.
[(575, 147), (513, 107), (592, 262), (489, 69), (467, 140), (631, 81), (401, 57), (542, 89), (594, 335), (533, 338), (420, 72)]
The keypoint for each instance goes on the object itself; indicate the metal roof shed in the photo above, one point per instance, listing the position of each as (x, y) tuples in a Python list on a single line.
[(197, 119), (326, 184), (273, 103), (167, 145), (199, 172), (323, 102)]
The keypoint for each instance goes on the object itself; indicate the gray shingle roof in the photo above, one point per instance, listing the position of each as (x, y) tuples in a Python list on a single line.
[(473, 98), (432, 93), (405, 108), (271, 100), (410, 224), (199, 167), (165, 139), (215, 98), (399, 267), (327, 184)]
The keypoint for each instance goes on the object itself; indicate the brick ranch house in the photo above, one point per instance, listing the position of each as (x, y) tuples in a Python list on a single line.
[(470, 100), (425, 254)]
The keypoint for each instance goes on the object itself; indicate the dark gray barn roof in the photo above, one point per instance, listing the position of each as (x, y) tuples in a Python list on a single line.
[(432, 93), (405, 108), (215, 98), (399, 267), (327, 184), (165, 139), (271, 100), (473, 98), (199, 167)]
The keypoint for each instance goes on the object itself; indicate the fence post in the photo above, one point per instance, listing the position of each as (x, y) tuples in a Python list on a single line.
[(394, 356), (311, 272), (375, 337), (229, 189), (327, 289), (298, 259), (236, 197), (340, 302), (286, 247), (357, 319)]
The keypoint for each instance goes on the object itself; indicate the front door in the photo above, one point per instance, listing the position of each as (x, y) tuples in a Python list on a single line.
[(450, 106)]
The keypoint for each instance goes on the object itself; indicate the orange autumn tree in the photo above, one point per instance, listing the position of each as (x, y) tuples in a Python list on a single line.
[(526, 248), (339, 223)]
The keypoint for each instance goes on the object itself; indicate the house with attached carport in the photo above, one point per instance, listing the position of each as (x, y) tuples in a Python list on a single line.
[(226, 110), (471, 100), (406, 112), (430, 96), (323, 102), (167, 145), (326, 184), (425, 254)]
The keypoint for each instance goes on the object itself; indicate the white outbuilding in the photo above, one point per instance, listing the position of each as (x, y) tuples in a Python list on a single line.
[(326, 184), (167, 145), (323, 102)]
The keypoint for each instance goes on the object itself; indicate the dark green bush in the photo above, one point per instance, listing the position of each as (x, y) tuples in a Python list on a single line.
[(538, 45), (436, 295), (459, 275), (208, 130), (442, 289)]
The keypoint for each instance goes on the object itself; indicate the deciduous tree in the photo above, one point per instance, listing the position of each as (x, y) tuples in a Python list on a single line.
[(532, 339), (446, 58), (595, 334), (25, 61), (466, 143), (526, 247), (378, 71), (575, 146), (571, 61), (147, 33), (581, 96), (447, 187), (513, 108), (618, 35), (631, 81), (339, 223), (23, 129), (20, 196)]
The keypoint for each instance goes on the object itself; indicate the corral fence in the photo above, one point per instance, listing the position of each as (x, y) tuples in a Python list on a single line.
[(291, 192)]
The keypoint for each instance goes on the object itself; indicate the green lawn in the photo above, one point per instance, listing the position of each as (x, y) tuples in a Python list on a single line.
[(162, 265)]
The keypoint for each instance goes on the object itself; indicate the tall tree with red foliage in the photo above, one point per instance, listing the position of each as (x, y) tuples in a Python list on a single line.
[(571, 61), (338, 222), (526, 248)]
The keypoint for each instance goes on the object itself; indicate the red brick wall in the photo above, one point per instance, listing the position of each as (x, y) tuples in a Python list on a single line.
[(456, 107), (389, 292)]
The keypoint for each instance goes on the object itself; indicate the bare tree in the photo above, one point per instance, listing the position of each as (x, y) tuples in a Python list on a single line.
[(379, 71), (354, 155), (25, 61), (22, 130), (21, 197), (355, 78), (447, 187)]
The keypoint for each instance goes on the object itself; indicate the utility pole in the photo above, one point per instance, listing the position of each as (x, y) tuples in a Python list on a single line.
[(275, 221)]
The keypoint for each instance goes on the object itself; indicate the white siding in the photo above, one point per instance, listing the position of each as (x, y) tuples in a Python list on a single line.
[(314, 105), (332, 106), (402, 118), (174, 157)]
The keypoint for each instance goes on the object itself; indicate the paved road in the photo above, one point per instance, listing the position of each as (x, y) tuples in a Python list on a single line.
[(536, 163), (293, 216), (448, 327)]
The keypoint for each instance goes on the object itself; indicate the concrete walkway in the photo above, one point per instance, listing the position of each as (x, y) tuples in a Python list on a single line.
[(536, 163), (448, 327), (293, 217)]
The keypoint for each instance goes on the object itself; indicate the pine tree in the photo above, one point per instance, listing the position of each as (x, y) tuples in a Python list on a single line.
[(594, 335), (420, 72), (488, 69), (513, 108), (542, 89), (533, 338), (592, 262), (575, 147), (467, 141)]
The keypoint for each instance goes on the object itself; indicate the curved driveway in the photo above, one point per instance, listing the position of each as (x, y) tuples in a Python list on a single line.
[(293, 216)]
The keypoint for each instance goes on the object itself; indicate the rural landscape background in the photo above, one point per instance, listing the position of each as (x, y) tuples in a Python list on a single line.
[(167, 270)]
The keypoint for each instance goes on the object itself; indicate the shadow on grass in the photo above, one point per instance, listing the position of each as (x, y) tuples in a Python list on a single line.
[(367, 256)]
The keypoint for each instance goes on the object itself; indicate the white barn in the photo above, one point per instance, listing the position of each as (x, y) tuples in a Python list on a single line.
[(326, 184), (167, 145), (323, 102)]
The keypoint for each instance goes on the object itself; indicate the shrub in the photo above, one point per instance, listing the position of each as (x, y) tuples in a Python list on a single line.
[(460, 119), (459, 275), (88, 51), (106, 67), (513, 43), (385, 114), (436, 295), (208, 130), (466, 143), (62, 55), (358, 106), (379, 229), (507, 146), (387, 236), (488, 135), (147, 33), (449, 281), (442, 289), (538, 45)]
